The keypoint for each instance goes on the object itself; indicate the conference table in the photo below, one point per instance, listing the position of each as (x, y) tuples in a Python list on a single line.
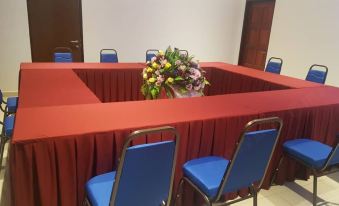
[(73, 118)]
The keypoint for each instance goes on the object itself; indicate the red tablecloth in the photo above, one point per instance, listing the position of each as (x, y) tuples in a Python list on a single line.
[(58, 147)]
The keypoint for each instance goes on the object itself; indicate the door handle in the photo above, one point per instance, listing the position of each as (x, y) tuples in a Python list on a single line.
[(74, 41)]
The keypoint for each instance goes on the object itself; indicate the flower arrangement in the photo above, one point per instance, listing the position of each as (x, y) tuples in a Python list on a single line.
[(173, 73)]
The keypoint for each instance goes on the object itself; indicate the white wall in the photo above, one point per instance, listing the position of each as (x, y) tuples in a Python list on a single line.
[(14, 42), (306, 32), (210, 30), (303, 32)]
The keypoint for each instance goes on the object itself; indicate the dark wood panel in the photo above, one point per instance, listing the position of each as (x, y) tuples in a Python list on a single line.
[(55, 23), (256, 33)]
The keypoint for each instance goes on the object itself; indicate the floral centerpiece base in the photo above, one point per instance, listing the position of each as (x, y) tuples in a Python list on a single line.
[(186, 94)]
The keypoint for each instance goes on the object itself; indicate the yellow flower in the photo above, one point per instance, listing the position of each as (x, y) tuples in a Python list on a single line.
[(170, 80), (161, 53), (145, 76), (151, 80), (149, 70), (167, 65), (155, 65)]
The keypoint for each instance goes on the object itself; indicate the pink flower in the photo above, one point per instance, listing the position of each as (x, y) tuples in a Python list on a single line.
[(160, 80), (197, 88), (189, 87), (163, 62), (153, 59), (178, 62), (195, 74)]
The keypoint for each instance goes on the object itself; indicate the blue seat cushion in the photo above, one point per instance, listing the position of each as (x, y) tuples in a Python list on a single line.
[(99, 189), (9, 125), (63, 57), (273, 67), (12, 104), (206, 173), (316, 76), (113, 58), (313, 153)]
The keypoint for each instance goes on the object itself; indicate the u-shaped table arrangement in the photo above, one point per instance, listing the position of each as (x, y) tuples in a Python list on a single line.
[(73, 118)]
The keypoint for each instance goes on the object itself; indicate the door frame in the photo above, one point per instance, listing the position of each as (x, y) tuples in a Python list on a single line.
[(81, 27), (244, 21)]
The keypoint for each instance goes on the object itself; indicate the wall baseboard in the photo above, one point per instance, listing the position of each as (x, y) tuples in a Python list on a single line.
[(10, 93)]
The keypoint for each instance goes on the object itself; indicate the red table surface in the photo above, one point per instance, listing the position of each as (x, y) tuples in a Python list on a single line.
[(265, 76), (56, 149), (59, 85)]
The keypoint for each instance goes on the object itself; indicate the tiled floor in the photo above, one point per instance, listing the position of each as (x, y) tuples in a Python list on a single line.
[(298, 193)]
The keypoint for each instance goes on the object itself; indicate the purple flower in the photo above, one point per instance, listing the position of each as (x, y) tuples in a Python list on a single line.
[(195, 74), (189, 87)]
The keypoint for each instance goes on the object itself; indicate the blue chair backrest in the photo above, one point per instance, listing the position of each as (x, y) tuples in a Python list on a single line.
[(146, 174), (251, 159), (63, 57), (111, 57), (274, 65), (150, 54), (183, 52), (317, 76)]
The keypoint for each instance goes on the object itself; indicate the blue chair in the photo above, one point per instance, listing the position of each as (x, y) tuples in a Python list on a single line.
[(150, 54), (320, 158), (214, 176), (108, 56), (6, 133), (317, 73), (11, 104), (274, 65), (144, 176), (63, 54)]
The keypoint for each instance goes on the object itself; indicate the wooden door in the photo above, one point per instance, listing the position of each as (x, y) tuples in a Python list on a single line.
[(55, 23), (256, 34)]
